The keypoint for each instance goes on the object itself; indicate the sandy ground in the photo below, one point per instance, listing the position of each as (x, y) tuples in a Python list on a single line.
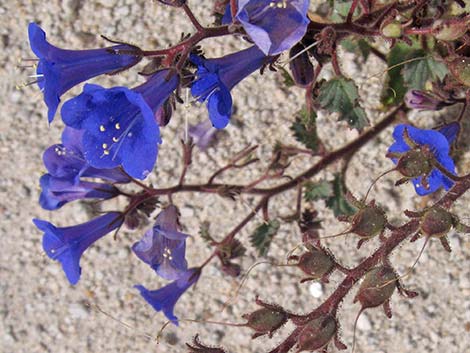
[(41, 312)]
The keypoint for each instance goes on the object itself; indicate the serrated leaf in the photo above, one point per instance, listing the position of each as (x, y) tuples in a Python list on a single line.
[(417, 72), (305, 129), (263, 235), (318, 191), (204, 233), (340, 95), (337, 202), (356, 46)]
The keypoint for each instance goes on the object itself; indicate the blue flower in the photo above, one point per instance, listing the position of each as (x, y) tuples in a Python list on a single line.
[(56, 192), (119, 123), (165, 298), (438, 143), (58, 70), (274, 25), (216, 77), (203, 134), (68, 244), (163, 247)]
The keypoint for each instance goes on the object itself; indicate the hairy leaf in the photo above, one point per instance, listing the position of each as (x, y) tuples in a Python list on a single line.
[(356, 46), (337, 202), (305, 129), (340, 95), (263, 235), (318, 191), (417, 72)]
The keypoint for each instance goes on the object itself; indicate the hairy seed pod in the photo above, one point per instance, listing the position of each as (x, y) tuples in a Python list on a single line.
[(413, 164), (436, 222), (316, 263), (266, 320), (393, 29), (377, 287), (369, 222), (317, 333)]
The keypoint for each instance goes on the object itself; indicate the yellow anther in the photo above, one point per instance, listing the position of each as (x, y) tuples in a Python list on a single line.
[(117, 126), (104, 145), (115, 139), (102, 128), (106, 152)]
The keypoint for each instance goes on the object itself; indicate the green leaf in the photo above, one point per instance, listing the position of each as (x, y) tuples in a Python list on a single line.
[(356, 46), (263, 235), (305, 129), (341, 10), (340, 95), (417, 72), (318, 191), (337, 202)]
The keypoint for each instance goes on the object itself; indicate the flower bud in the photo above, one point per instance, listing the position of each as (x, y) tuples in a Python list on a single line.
[(414, 163), (423, 100), (316, 263), (317, 333), (266, 320), (377, 287), (460, 69), (436, 222), (393, 29), (449, 30), (300, 66), (163, 114), (231, 269)]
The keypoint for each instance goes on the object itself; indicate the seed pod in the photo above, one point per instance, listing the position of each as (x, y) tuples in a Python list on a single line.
[(369, 222), (393, 29), (413, 164), (301, 66), (460, 69), (317, 333), (436, 222), (266, 320), (316, 263), (198, 347), (377, 287)]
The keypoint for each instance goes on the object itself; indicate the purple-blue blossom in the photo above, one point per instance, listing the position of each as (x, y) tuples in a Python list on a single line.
[(165, 298), (216, 77), (164, 247), (438, 142), (56, 192), (119, 123), (202, 134), (67, 245), (58, 70), (274, 25)]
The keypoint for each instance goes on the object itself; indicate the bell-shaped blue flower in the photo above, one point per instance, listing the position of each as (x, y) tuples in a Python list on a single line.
[(216, 77), (58, 70), (66, 161), (163, 247), (56, 192), (67, 245), (274, 25), (119, 123), (438, 143), (165, 298)]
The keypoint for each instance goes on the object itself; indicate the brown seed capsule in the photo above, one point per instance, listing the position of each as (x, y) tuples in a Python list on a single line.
[(413, 164), (377, 287), (317, 333), (316, 263), (436, 222), (266, 320), (369, 222)]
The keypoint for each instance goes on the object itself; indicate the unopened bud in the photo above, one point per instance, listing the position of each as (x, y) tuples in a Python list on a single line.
[(231, 269), (460, 69), (436, 222), (377, 287), (449, 30), (393, 29), (163, 114), (317, 333), (301, 66), (423, 100)]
